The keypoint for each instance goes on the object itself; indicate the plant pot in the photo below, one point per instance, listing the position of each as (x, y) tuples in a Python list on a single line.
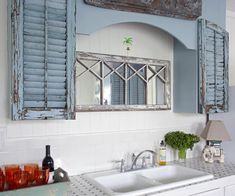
[(182, 155)]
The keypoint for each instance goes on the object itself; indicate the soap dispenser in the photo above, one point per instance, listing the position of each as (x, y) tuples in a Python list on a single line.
[(162, 154)]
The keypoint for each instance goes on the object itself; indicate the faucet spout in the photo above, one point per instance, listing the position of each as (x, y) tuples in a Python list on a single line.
[(137, 157)]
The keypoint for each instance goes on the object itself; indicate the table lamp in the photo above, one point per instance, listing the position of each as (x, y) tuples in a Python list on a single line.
[(214, 133)]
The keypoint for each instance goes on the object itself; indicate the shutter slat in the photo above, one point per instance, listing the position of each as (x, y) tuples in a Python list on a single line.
[(61, 18), (37, 2), (56, 12), (34, 39), (34, 52), (41, 91), (56, 91), (33, 78), (41, 98), (29, 84), (56, 79), (35, 20), (39, 78), (34, 65), (58, 1), (34, 71), (55, 23), (32, 32), (34, 26), (34, 7), (30, 58), (34, 104), (56, 73), (56, 42), (34, 91), (56, 98), (55, 35), (52, 66), (51, 104), (57, 48), (56, 54), (41, 72), (34, 98), (57, 5), (34, 45), (34, 14), (56, 104), (56, 60), (56, 29)]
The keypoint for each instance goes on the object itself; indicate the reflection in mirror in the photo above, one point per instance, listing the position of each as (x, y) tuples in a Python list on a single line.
[(108, 82)]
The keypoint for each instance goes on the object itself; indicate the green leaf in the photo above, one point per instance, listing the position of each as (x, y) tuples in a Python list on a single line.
[(128, 41)]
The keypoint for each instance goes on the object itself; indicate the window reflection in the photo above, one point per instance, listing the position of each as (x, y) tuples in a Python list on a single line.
[(114, 80)]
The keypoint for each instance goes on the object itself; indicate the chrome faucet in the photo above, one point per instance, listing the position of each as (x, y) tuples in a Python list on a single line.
[(135, 158)]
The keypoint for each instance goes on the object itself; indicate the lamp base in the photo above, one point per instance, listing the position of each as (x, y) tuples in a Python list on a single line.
[(213, 153)]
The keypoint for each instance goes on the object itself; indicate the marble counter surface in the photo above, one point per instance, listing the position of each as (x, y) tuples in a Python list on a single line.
[(82, 187)]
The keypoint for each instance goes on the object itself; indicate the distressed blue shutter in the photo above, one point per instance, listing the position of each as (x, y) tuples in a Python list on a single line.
[(43, 59), (213, 67)]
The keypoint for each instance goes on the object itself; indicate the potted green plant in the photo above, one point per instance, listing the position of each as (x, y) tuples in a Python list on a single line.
[(181, 141)]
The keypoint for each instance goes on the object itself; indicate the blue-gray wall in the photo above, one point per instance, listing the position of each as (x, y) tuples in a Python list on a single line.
[(214, 11), (229, 121), (185, 90), (91, 19)]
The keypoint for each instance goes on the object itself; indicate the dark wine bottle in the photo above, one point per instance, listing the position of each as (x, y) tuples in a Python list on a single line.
[(48, 162)]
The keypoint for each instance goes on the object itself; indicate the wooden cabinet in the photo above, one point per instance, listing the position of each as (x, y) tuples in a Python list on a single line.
[(229, 190)]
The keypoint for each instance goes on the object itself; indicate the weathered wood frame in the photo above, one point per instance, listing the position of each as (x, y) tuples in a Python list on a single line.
[(186, 9), (19, 112), (204, 107), (119, 59)]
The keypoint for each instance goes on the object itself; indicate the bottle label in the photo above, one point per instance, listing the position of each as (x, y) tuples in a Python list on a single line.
[(51, 177), (162, 155)]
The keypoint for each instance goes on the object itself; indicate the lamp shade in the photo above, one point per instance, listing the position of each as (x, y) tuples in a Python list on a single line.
[(215, 130)]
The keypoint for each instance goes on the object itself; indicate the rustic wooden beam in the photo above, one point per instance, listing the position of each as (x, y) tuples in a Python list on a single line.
[(184, 9)]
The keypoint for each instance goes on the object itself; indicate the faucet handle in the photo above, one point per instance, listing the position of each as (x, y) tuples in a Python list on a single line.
[(122, 167), (133, 156), (144, 163)]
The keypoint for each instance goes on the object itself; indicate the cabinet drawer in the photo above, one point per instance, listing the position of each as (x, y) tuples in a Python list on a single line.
[(229, 190), (214, 192)]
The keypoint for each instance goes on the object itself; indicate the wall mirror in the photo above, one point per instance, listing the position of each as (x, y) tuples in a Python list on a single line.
[(109, 82)]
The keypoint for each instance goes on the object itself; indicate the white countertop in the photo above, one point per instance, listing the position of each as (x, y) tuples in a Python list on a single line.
[(82, 187)]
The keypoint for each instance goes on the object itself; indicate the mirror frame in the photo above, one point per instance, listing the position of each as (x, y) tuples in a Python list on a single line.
[(119, 58)]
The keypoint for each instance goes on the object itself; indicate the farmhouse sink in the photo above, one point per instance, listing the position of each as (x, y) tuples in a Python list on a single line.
[(146, 180)]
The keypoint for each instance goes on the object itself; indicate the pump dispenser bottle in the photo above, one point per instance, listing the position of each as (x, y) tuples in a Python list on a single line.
[(162, 154)]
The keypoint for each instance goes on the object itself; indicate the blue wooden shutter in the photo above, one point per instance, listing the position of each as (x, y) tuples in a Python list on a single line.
[(43, 59), (213, 67)]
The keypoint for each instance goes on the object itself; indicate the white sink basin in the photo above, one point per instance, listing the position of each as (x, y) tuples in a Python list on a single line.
[(147, 180)]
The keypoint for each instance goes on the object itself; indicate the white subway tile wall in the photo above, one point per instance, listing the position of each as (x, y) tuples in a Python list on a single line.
[(93, 140), (81, 147)]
